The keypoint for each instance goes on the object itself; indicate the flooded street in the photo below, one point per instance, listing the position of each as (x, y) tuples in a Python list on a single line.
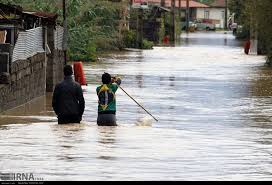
[(213, 103)]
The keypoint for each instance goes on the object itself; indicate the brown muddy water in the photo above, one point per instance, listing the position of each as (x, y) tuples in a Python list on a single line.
[(213, 104)]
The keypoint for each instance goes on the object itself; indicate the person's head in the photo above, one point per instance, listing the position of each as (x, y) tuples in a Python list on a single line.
[(68, 70), (106, 78)]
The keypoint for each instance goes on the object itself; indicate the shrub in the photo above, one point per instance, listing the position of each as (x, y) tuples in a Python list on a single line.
[(129, 39), (147, 44)]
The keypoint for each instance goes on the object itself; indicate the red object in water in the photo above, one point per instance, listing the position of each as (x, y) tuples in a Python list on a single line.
[(79, 73), (247, 47), (165, 39)]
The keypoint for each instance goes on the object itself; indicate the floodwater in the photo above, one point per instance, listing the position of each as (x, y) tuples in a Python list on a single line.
[(214, 109)]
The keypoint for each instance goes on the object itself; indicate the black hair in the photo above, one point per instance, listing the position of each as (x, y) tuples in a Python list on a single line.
[(106, 78), (68, 70)]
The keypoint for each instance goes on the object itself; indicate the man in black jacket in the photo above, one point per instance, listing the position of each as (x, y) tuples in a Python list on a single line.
[(68, 101)]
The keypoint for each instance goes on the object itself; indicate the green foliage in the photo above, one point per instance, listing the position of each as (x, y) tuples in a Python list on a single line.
[(130, 39), (177, 26), (162, 30), (147, 44), (94, 29), (256, 15), (243, 33)]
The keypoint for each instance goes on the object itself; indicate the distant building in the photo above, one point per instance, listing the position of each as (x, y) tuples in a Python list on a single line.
[(193, 6), (192, 3), (215, 12)]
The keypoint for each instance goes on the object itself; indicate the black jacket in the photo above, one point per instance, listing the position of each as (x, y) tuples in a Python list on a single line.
[(68, 100)]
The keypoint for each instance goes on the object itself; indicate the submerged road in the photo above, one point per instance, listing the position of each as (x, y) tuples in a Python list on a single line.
[(214, 109)]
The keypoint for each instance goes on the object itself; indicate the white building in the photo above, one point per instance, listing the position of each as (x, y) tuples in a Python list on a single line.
[(215, 13)]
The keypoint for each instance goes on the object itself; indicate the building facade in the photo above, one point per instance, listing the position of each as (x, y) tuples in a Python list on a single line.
[(215, 13)]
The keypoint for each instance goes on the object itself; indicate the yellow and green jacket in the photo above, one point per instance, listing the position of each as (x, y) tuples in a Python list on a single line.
[(106, 98)]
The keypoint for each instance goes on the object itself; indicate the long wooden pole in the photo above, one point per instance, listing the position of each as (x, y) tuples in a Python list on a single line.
[(138, 103)]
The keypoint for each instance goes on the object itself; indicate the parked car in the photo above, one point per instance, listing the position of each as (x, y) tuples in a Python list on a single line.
[(191, 25), (205, 26)]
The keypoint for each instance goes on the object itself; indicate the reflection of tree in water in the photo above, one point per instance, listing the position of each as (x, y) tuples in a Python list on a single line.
[(259, 109), (262, 85), (254, 106)]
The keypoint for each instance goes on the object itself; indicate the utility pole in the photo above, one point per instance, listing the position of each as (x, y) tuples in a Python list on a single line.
[(179, 10), (172, 29), (226, 15), (140, 30), (65, 34), (187, 15), (130, 2), (164, 17), (163, 3)]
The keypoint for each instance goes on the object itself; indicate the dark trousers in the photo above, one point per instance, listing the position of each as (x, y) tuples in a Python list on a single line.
[(106, 120), (69, 119)]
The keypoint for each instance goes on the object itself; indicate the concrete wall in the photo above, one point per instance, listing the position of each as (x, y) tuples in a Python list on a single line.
[(27, 81), (214, 13), (55, 62), (24, 80)]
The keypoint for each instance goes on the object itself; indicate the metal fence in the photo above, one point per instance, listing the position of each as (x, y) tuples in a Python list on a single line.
[(59, 32), (28, 44)]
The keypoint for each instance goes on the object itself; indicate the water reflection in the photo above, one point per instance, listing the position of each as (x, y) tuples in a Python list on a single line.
[(209, 39), (107, 136), (68, 139), (107, 143), (38, 110), (172, 81), (262, 82)]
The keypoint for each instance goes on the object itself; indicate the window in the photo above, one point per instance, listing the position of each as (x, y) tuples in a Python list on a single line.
[(223, 14), (206, 14)]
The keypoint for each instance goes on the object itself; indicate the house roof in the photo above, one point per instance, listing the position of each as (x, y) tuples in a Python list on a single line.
[(44, 15), (19, 9), (219, 3), (192, 3)]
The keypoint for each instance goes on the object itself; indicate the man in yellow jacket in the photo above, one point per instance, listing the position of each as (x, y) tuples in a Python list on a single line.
[(107, 100)]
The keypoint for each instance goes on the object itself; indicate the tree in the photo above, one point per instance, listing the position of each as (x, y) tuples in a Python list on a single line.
[(256, 14)]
